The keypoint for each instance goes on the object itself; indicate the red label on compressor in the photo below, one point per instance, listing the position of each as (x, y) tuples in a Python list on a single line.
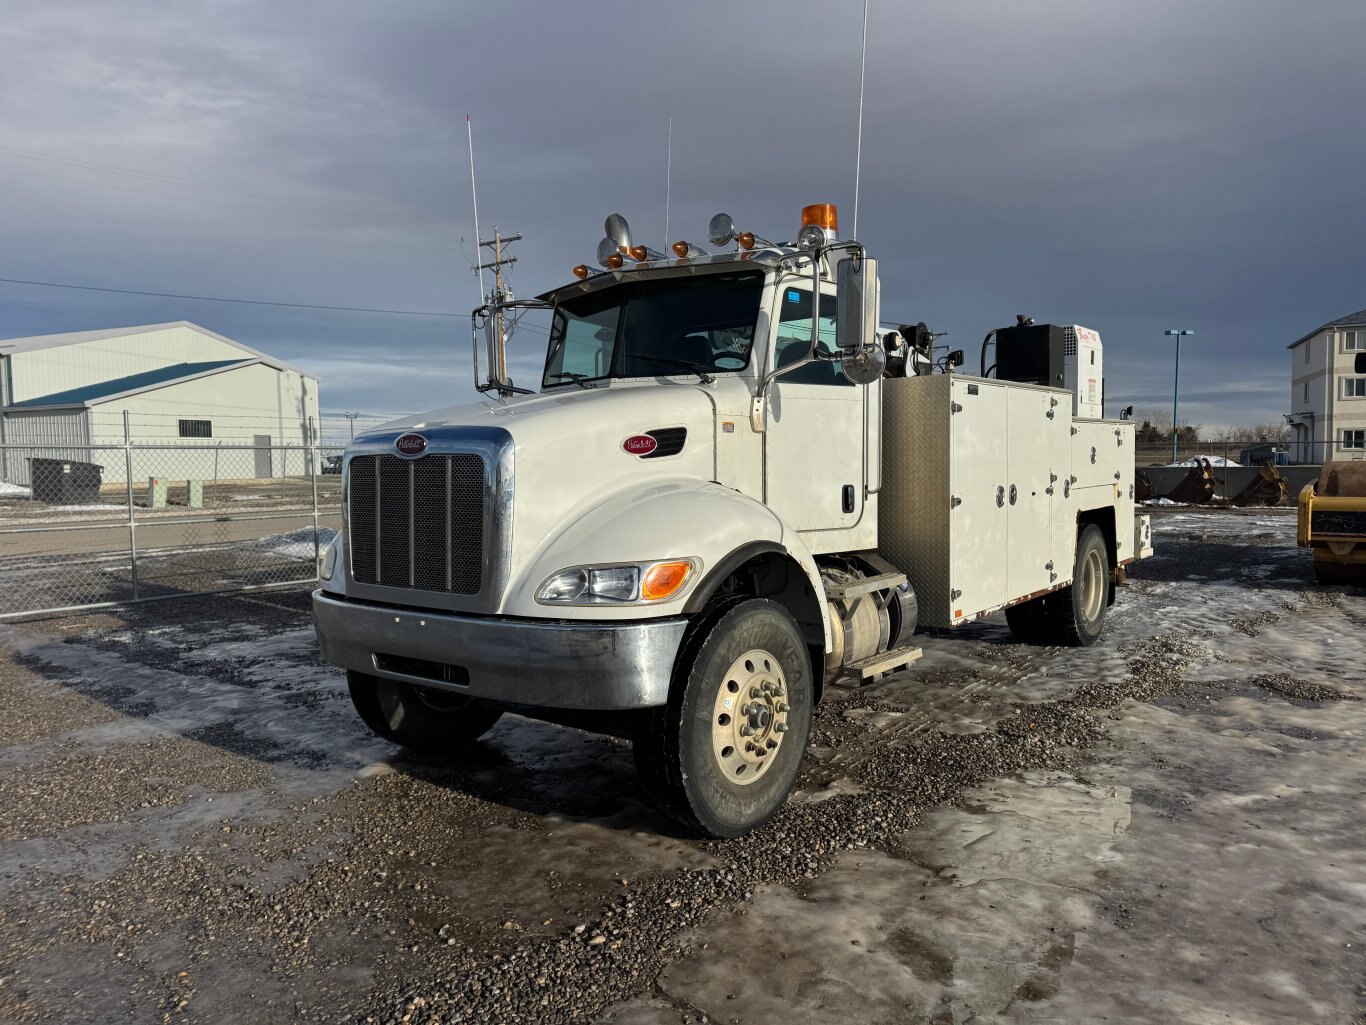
[(639, 445)]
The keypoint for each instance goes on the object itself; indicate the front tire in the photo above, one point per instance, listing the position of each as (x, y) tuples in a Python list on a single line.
[(424, 720), (721, 757)]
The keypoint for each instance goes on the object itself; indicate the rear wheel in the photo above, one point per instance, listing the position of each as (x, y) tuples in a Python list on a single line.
[(425, 720), (1029, 621), (1077, 612), (722, 756)]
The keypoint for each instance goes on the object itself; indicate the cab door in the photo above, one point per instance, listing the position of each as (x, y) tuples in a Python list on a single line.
[(814, 452)]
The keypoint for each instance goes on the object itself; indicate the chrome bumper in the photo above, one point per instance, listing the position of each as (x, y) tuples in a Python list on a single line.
[(554, 664)]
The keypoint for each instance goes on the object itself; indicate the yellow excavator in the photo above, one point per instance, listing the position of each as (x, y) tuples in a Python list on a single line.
[(1333, 522), (1333, 517)]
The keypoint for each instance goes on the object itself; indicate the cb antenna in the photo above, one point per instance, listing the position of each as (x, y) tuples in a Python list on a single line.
[(858, 150), (474, 195)]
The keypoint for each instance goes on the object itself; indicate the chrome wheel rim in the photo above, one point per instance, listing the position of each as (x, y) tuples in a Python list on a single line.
[(749, 717), (1092, 586)]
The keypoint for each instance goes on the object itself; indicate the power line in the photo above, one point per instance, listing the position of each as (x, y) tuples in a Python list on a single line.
[(221, 299)]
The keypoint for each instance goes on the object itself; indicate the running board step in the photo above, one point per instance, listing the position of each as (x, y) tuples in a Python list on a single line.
[(864, 585), (866, 668)]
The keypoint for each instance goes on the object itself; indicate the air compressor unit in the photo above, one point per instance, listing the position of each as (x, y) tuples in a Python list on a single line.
[(1055, 356)]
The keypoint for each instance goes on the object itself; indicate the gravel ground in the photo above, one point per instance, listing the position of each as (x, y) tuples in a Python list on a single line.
[(196, 828)]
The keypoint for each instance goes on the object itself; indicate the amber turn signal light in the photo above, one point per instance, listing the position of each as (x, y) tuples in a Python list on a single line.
[(746, 240), (664, 579), (823, 215), (581, 271), (638, 253), (680, 249), (614, 261)]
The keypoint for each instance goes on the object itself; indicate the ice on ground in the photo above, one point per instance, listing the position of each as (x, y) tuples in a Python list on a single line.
[(1163, 501), (14, 490), (298, 544)]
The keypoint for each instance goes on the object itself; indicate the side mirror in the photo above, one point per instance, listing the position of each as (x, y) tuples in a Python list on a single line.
[(855, 303), (1361, 363), (954, 359)]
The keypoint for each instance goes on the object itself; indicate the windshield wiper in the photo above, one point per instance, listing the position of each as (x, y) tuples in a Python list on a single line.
[(670, 361), (580, 379)]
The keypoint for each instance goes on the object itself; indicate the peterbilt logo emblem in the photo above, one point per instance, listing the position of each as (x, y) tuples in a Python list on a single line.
[(411, 445), (639, 445)]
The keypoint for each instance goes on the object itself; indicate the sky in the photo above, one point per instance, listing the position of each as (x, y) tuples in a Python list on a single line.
[(1128, 166)]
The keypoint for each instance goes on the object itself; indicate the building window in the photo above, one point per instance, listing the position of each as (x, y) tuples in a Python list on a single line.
[(1354, 387), (1354, 341), (1306, 391), (196, 428), (1306, 352), (1353, 439)]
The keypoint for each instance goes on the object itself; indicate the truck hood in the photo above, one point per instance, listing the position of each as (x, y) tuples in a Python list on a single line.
[(568, 455)]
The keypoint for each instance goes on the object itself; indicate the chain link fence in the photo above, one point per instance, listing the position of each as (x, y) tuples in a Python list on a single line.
[(146, 517)]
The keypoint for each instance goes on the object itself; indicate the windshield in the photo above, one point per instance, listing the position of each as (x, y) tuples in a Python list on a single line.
[(654, 328)]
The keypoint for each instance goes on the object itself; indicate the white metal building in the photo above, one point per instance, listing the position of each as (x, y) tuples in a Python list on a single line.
[(1327, 396), (179, 384)]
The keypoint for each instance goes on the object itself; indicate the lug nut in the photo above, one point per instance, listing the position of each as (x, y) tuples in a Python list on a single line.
[(772, 743), (755, 692), (784, 707), (746, 731), (780, 727)]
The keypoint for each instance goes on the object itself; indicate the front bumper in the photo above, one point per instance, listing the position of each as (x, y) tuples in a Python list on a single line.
[(597, 666)]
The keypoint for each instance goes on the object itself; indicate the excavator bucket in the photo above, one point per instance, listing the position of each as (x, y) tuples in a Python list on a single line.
[(1197, 486), (1267, 488), (1143, 487), (1333, 522)]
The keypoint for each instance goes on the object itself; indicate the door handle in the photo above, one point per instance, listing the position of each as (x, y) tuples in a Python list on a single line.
[(847, 498)]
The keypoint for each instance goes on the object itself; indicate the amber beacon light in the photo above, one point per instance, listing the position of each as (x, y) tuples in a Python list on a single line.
[(823, 215)]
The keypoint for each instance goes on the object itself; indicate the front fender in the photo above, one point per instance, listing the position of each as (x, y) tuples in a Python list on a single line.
[(669, 519)]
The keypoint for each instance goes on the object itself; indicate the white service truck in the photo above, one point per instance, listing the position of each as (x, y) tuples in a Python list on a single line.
[(728, 494)]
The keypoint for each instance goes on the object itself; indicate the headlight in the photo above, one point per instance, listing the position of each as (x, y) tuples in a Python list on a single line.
[(637, 583), (329, 561)]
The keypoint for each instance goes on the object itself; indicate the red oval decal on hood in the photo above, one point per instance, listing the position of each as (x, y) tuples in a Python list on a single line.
[(411, 445), (640, 445)]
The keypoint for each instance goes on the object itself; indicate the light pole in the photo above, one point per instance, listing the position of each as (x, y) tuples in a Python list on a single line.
[(1176, 379), (352, 418)]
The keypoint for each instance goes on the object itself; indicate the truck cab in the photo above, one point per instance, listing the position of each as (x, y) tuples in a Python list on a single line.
[(681, 535)]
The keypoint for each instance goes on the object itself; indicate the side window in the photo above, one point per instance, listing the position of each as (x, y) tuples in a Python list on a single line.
[(581, 347), (793, 338)]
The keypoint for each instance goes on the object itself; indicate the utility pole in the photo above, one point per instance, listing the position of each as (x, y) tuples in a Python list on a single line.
[(500, 296)]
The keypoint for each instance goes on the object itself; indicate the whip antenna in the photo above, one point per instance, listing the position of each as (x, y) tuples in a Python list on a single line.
[(858, 151), (474, 195), (668, 177)]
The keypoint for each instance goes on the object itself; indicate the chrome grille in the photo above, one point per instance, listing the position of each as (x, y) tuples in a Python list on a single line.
[(417, 523)]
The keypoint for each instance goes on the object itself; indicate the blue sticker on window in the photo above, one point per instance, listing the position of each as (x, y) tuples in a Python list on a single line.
[(794, 297)]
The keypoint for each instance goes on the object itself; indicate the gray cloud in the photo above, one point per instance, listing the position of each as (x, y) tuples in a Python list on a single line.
[(1129, 167)]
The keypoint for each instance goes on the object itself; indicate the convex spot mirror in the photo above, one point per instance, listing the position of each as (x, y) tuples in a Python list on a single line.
[(856, 303), (864, 366)]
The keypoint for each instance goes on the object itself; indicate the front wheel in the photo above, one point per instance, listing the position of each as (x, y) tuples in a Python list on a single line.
[(722, 756), (424, 720)]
